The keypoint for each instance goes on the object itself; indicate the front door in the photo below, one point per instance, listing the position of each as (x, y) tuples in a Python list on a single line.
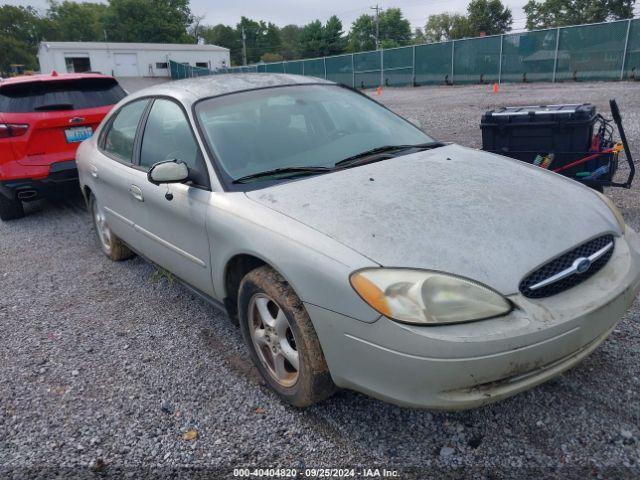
[(171, 218)]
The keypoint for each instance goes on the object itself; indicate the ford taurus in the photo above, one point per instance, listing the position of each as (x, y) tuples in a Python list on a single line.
[(354, 250)]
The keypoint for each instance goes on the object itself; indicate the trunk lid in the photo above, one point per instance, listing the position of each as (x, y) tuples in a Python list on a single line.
[(55, 136)]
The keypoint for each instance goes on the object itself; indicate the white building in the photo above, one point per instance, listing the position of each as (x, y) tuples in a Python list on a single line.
[(128, 59)]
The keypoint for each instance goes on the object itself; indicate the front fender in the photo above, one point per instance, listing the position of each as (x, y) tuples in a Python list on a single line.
[(316, 266)]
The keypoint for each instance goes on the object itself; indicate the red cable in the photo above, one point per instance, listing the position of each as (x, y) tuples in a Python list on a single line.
[(582, 160)]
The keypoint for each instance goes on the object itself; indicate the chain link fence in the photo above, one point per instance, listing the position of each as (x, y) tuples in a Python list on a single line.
[(603, 51)]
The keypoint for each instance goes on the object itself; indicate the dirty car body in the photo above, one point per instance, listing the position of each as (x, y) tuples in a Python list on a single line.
[(434, 276)]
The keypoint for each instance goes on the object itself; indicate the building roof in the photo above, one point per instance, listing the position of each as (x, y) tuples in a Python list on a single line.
[(48, 77), (131, 46)]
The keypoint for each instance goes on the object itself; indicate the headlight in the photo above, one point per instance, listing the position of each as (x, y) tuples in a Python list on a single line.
[(614, 210), (425, 297)]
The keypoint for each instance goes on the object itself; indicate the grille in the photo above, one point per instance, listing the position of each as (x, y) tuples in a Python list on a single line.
[(562, 263)]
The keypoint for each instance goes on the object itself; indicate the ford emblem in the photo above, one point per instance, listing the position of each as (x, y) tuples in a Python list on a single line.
[(582, 265)]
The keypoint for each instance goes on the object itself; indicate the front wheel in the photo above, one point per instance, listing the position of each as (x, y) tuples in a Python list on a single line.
[(109, 243), (281, 338), (10, 209)]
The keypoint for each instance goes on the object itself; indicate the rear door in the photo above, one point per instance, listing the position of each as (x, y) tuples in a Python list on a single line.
[(113, 170), (59, 113)]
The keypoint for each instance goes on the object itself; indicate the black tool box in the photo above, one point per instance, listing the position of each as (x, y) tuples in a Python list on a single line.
[(556, 137)]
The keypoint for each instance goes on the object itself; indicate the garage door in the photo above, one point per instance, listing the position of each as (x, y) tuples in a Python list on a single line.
[(126, 65)]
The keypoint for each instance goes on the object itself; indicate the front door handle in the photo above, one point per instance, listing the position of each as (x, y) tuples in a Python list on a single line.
[(94, 171), (136, 193)]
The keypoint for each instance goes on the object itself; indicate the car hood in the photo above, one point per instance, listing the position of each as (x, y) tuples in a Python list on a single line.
[(452, 209)]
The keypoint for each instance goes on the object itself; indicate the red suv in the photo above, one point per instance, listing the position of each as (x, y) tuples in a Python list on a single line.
[(43, 119)]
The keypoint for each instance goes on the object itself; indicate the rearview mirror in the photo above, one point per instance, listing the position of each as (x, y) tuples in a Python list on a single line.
[(169, 171)]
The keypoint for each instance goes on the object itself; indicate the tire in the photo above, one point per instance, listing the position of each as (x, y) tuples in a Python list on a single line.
[(10, 209), (264, 290), (109, 243)]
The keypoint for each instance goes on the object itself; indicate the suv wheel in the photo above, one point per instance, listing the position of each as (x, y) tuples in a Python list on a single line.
[(109, 243), (281, 338), (10, 209)]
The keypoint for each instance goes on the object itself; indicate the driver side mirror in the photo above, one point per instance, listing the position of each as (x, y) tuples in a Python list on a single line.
[(169, 171)]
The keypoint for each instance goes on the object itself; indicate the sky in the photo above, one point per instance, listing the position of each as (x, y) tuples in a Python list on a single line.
[(300, 12)]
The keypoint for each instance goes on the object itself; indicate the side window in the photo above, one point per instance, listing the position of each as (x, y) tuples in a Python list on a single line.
[(167, 136), (122, 132)]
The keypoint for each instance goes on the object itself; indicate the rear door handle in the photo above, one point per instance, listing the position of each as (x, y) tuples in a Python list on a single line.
[(94, 171), (136, 193)]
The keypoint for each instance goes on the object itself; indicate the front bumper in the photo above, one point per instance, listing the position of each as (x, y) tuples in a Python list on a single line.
[(467, 365), (62, 177)]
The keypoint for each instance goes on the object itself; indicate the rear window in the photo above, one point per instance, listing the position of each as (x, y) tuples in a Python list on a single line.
[(60, 95)]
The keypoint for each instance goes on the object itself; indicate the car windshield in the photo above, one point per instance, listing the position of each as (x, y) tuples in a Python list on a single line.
[(297, 126)]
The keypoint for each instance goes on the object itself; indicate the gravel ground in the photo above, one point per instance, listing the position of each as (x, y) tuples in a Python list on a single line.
[(105, 366)]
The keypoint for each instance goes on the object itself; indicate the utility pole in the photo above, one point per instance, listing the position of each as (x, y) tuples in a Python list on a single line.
[(244, 48), (377, 9)]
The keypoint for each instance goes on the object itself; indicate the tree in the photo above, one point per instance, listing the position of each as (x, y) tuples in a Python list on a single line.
[(363, 34), (394, 31), (224, 36), (335, 42), (76, 22), (488, 16), (290, 38), (317, 40), (270, 42), (271, 57), (20, 32), (418, 36), (559, 13), (446, 26), (312, 40), (161, 21)]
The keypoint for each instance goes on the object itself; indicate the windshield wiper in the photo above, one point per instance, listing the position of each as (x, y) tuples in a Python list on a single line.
[(362, 157), (286, 171)]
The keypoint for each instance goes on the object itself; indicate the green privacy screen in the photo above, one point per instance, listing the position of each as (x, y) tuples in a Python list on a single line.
[(591, 52), (398, 66), (340, 69), (294, 68), (529, 57), (367, 69), (604, 51), (476, 60), (433, 63), (632, 58)]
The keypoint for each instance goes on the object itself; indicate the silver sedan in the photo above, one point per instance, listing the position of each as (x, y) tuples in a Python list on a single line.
[(354, 250)]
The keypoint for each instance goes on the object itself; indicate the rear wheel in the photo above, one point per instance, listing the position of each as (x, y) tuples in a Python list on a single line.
[(10, 209), (109, 243), (283, 343)]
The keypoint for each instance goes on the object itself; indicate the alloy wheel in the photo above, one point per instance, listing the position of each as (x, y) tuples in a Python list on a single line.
[(273, 339), (104, 234)]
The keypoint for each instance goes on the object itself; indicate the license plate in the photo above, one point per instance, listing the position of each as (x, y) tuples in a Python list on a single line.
[(78, 134)]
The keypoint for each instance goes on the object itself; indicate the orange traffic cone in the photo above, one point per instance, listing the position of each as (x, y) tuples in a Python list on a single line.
[(496, 88), (379, 91)]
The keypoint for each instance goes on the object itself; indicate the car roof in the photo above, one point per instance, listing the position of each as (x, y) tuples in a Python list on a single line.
[(192, 89), (50, 77)]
